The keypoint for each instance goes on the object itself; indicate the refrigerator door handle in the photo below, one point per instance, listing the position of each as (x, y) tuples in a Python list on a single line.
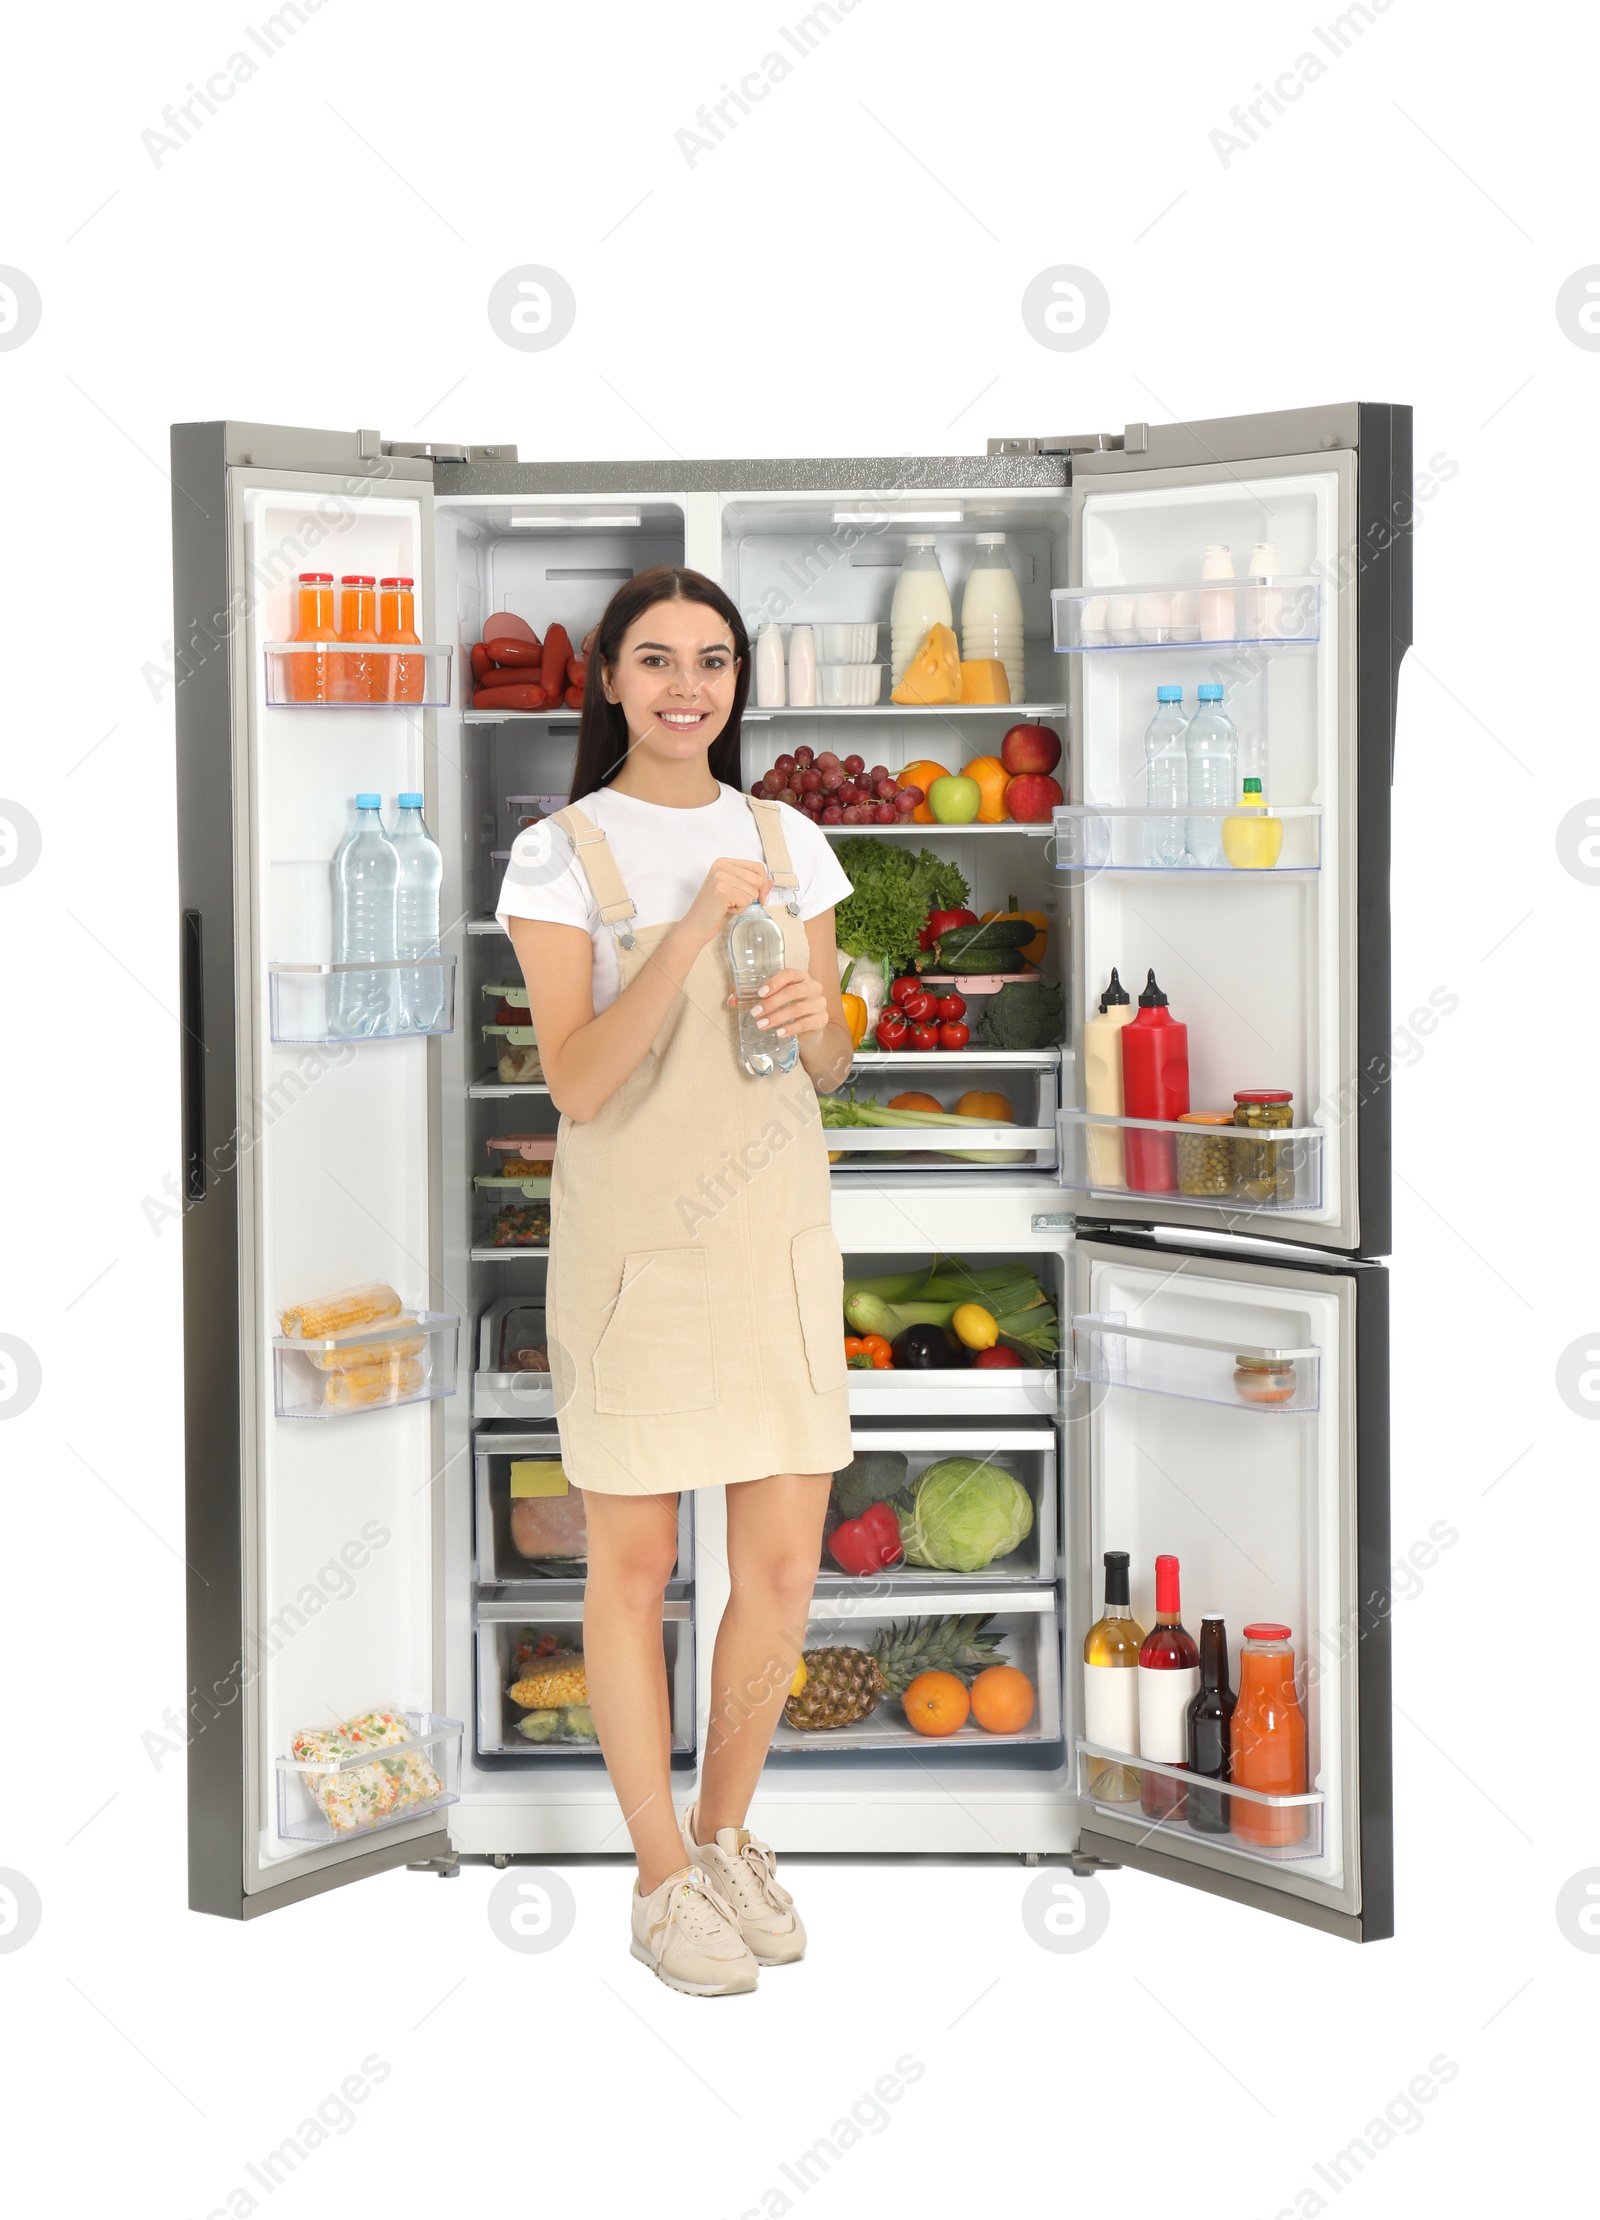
[(194, 1061)]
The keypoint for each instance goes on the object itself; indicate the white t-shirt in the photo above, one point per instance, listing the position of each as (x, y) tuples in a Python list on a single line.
[(663, 855)]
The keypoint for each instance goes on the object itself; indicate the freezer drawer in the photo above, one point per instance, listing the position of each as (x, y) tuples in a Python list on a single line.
[(505, 1626), (1027, 1453), (506, 1462), (501, 1388)]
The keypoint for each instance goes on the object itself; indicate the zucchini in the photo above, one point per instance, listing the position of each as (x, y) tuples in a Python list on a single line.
[(981, 960), (995, 938)]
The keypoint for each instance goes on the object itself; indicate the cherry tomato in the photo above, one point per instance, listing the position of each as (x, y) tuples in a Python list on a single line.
[(950, 1006), (891, 1030), (918, 1005), (903, 989), (924, 1035), (953, 1034)]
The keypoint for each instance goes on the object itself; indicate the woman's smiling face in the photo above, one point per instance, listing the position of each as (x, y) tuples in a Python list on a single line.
[(674, 677)]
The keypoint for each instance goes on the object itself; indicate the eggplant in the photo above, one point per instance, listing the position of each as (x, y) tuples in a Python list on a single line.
[(927, 1349)]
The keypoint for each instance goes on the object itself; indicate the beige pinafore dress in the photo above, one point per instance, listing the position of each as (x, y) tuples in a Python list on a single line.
[(694, 1303)]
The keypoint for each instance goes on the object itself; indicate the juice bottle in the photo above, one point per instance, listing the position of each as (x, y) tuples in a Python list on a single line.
[(356, 677), (400, 675), (1269, 1738), (1155, 1084), (309, 677)]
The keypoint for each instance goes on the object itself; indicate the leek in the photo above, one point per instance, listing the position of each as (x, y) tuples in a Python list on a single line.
[(847, 1110)]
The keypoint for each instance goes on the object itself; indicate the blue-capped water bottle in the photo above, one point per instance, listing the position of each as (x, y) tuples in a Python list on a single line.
[(420, 997), (1212, 746), (365, 871), (1166, 779)]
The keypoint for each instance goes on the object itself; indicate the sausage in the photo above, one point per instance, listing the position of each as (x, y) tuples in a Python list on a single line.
[(577, 669), (515, 654), (512, 697), (494, 677), (504, 626), (557, 655), (573, 697), (480, 659)]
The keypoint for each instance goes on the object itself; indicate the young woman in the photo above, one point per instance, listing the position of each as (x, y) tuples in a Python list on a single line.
[(695, 1287)]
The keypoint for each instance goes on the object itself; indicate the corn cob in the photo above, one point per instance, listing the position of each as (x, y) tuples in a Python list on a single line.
[(366, 1384), (355, 1354), (337, 1314), (552, 1688)]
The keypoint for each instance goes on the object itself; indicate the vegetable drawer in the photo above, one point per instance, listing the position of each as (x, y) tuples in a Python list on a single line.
[(891, 1460)]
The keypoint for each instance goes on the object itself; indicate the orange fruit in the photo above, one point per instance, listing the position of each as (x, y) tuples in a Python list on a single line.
[(936, 1703), (914, 1102), (923, 775), (979, 1102), (993, 777), (1002, 1699)]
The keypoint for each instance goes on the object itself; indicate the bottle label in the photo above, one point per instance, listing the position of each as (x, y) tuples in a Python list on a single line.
[(1111, 1706), (1164, 1699)]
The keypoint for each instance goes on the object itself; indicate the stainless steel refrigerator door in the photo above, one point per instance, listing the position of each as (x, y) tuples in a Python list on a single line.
[(311, 1545), (1282, 977), (1276, 1513)]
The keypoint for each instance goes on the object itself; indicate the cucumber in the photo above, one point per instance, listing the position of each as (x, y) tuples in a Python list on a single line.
[(999, 934), (977, 962)]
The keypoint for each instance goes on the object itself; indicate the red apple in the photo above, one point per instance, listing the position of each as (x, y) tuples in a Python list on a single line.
[(1030, 748), (1031, 798)]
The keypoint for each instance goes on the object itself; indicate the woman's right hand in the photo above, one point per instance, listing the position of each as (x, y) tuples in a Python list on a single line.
[(730, 885)]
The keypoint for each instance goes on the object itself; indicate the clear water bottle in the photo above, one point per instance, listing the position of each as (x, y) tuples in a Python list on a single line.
[(1166, 778), (755, 951), (365, 873), (1211, 743), (416, 920)]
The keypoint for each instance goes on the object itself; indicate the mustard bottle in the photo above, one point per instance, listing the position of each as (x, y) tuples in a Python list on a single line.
[(1252, 841)]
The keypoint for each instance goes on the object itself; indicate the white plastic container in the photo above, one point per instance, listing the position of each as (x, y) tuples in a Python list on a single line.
[(921, 600), (770, 688), (991, 613), (847, 643), (1216, 609), (802, 667), (850, 685), (1265, 603)]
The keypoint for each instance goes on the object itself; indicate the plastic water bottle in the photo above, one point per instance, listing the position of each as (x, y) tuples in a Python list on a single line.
[(365, 872), (755, 951), (1212, 746), (1166, 778), (416, 920)]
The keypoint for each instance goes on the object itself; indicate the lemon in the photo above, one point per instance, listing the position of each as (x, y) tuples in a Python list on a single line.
[(974, 1326)]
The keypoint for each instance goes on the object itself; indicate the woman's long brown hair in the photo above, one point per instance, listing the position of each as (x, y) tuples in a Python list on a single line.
[(602, 727)]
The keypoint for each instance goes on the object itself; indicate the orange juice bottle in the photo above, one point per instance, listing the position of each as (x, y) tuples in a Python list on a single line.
[(1269, 1739), (397, 627), (309, 677), (358, 678)]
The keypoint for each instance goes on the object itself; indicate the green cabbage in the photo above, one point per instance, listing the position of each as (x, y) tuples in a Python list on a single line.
[(965, 1512)]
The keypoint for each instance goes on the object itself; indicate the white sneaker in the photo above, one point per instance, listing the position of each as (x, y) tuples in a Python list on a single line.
[(687, 1933), (743, 1871)]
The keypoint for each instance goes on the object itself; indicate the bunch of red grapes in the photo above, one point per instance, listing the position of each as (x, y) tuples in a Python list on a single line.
[(834, 790)]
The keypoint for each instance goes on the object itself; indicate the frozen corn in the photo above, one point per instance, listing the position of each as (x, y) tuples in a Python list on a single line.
[(553, 1686), (362, 1385), (357, 1353), (367, 1305)]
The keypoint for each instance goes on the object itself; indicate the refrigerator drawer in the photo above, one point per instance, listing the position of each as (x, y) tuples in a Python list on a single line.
[(1027, 1453), (1022, 1102), (504, 1627), (1028, 1628), (520, 1467), (501, 1388), (1033, 1390)]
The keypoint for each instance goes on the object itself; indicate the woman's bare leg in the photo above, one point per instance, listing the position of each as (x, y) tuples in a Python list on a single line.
[(774, 1547), (633, 1545)]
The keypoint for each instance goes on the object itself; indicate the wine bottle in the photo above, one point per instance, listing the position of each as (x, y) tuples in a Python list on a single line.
[(1111, 1686), (1169, 1678), (1211, 1729)]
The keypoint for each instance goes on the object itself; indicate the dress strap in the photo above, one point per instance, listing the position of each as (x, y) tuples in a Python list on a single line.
[(769, 825), (599, 865)]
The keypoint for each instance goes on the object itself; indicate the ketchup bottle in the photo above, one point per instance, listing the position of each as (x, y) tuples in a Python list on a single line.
[(1155, 1084)]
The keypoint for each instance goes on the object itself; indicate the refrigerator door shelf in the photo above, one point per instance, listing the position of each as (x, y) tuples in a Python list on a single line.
[(1007, 1391), (1028, 1453), (500, 1566), (404, 1360), (1029, 1628), (389, 1785), (1087, 837), (1248, 1171), (324, 1005), (1296, 1820), (1243, 613), (318, 674), (504, 1622), (1108, 1352)]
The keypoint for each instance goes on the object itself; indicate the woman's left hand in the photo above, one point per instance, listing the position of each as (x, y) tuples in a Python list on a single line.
[(794, 1003)]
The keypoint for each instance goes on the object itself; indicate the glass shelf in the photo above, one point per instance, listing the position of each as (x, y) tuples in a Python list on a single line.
[(323, 674), (357, 1781), (1016, 711), (520, 717), (1279, 1829), (1109, 1352), (1239, 613), (1092, 837), (964, 1391), (312, 1005), (1241, 1169), (407, 1359), (482, 1254)]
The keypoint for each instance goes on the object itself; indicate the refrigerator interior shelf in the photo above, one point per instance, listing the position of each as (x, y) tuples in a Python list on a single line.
[(487, 1090), (1280, 612), (487, 925), (1030, 1638), (1089, 837), (1247, 1168), (1243, 1820), (1109, 1352), (322, 674), (946, 710), (388, 1785), (498, 1254), (312, 1005), (408, 1359), (521, 717), (908, 830), (876, 1060), (963, 1391)]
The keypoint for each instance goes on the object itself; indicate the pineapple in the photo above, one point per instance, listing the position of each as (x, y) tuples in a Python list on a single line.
[(846, 1684)]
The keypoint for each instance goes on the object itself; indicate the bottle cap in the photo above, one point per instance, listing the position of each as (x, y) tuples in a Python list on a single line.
[(918, 540), (1115, 993), (1167, 1587), (1169, 693), (1252, 786), (354, 578), (1262, 1630), (409, 801), (395, 581), (991, 539), (1153, 999), (1215, 1617), (1116, 1576), (316, 578), (1209, 693), (369, 801)]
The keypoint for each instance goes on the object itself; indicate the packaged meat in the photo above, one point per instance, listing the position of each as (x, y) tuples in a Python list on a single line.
[(547, 1519), (366, 1305), (519, 1338)]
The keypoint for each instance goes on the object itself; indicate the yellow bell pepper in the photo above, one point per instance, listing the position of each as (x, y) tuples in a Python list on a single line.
[(933, 673), (1031, 950), (855, 1016)]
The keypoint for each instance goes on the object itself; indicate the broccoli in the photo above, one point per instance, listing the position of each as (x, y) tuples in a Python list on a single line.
[(1031, 1015)]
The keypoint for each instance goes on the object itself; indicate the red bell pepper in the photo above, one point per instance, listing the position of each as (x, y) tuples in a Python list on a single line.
[(869, 1543)]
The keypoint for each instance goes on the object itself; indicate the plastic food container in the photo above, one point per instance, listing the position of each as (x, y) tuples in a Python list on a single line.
[(849, 685), (1264, 1379), (1205, 1158), (527, 809), (1265, 1170), (847, 643)]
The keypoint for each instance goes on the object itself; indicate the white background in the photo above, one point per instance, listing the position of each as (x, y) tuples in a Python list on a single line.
[(841, 275)]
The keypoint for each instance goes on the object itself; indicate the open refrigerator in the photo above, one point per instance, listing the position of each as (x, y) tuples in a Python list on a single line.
[(356, 1561)]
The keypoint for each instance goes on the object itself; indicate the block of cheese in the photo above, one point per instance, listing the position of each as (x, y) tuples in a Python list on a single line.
[(934, 673), (985, 681)]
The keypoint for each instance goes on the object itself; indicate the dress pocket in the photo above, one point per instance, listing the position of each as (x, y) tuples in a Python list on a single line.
[(819, 1290), (655, 1355)]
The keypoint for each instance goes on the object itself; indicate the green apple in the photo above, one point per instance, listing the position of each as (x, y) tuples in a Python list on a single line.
[(955, 801)]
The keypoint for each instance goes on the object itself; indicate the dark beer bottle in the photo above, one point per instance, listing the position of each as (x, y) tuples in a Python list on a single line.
[(1210, 1728)]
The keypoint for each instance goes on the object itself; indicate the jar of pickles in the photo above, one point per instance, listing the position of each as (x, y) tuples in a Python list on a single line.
[(1205, 1155), (1265, 1168)]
